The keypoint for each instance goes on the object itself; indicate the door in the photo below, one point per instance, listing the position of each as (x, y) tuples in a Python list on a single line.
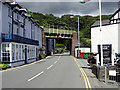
[(36, 54)]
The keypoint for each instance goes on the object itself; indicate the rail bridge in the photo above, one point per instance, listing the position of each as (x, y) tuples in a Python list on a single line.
[(52, 34)]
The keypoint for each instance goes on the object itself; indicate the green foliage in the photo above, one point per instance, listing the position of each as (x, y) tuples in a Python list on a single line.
[(42, 56), (60, 46), (41, 49)]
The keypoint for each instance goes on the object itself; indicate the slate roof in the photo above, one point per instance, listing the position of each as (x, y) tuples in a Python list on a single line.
[(104, 22)]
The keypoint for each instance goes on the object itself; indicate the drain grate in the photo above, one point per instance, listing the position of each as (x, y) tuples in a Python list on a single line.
[(88, 76)]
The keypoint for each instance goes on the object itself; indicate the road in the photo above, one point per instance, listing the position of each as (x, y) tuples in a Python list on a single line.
[(58, 71)]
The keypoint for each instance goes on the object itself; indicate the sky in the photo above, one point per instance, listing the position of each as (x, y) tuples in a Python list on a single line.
[(59, 7)]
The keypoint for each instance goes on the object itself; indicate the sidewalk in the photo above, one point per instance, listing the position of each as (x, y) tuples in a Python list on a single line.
[(95, 83)]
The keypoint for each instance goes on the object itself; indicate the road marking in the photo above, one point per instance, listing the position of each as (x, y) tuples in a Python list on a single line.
[(55, 62), (35, 76), (86, 76), (50, 67), (59, 57), (87, 83)]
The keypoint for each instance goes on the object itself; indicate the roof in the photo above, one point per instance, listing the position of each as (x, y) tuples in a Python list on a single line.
[(104, 22), (115, 13)]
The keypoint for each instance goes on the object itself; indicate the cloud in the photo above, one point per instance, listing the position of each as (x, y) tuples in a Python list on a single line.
[(61, 8)]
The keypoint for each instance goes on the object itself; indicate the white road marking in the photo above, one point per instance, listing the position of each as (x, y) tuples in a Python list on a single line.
[(36, 76), (50, 67), (59, 58), (55, 62)]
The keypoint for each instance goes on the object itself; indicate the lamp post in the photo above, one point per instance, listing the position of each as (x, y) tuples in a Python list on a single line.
[(78, 40), (101, 33), (78, 37)]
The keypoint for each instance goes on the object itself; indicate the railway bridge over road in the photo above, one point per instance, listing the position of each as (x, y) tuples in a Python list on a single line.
[(52, 35)]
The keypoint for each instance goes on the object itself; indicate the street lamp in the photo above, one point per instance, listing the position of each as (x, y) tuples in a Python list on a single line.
[(101, 33), (78, 37)]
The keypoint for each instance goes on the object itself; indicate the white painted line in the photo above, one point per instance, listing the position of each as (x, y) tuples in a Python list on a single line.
[(50, 67), (55, 62), (59, 58), (36, 76)]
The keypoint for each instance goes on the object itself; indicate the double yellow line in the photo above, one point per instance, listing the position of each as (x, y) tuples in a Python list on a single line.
[(87, 83)]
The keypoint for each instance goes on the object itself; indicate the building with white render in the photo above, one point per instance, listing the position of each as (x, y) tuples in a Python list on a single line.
[(21, 36), (110, 37)]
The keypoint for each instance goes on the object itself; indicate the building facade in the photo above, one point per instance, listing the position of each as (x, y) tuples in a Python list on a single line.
[(110, 37), (21, 36)]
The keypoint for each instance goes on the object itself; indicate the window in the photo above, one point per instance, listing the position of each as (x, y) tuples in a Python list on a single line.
[(32, 31), (20, 52), (24, 32), (18, 31), (5, 53), (23, 52), (16, 52), (18, 17), (9, 28), (9, 12), (13, 52)]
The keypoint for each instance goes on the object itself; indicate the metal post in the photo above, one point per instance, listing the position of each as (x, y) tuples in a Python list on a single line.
[(98, 72), (101, 33), (78, 40), (105, 73)]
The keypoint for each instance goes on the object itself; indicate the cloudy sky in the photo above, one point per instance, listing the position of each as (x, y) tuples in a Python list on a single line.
[(59, 7)]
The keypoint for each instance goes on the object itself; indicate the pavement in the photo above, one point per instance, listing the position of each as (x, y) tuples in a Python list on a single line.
[(58, 71)]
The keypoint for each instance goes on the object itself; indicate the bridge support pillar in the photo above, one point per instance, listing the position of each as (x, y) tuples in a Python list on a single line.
[(74, 43)]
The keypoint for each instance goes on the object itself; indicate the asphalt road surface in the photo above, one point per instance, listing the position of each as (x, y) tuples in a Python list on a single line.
[(58, 71)]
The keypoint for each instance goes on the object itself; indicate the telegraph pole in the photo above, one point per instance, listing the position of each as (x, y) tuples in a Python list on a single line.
[(78, 40), (101, 33)]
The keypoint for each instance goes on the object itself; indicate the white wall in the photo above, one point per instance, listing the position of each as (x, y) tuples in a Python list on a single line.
[(109, 36)]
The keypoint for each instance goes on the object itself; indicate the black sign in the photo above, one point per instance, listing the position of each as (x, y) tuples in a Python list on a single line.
[(107, 53)]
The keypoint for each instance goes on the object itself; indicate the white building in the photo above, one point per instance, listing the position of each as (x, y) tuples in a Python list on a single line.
[(21, 37), (110, 37)]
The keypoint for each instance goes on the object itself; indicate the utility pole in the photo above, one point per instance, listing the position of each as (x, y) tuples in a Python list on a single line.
[(101, 33), (78, 40)]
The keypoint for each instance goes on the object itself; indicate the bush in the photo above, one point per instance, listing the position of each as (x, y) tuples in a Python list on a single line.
[(4, 66), (42, 56)]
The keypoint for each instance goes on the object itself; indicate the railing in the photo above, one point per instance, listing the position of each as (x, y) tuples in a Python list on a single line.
[(6, 36), (16, 38), (59, 31)]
